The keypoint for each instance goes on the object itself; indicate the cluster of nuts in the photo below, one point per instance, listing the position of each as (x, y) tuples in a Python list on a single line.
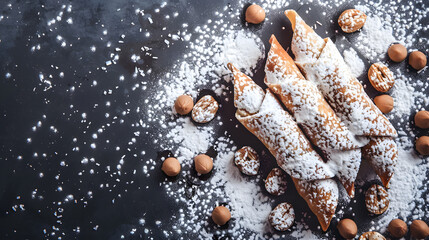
[(247, 161), (397, 229), (381, 78), (203, 164), (379, 75), (204, 110), (398, 53), (418, 228), (421, 119)]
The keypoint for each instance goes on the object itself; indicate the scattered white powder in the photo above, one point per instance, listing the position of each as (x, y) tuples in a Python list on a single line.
[(243, 50), (375, 38), (204, 66), (192, 140), (405, 191), (353, 60), (302, 232), (242, 194), (408, 93)]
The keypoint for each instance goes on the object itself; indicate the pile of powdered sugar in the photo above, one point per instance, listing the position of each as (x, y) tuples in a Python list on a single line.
[(190, 139), (375, 38), (204, 67)]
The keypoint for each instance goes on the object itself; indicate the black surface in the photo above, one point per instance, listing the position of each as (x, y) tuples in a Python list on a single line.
[(116, 202)]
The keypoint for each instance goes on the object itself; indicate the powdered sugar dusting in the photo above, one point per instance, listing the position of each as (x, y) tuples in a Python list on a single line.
[(117, 115), (375, 38), (357, 67), (243, 49), (192, 140)]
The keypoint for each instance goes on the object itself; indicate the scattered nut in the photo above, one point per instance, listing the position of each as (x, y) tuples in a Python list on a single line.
[(171, 167), (380, 77), (247, 160), (255, 14), (422, 145), (205, 109), (422, 119), (203, 164), (282, 216), (276, 182), (376, 199), (384, 103), (351, 20), (221, 215), (397, 52), (397, 228), (419, 229), (417, 60), (347, 228), (183, 104), (372, 236)]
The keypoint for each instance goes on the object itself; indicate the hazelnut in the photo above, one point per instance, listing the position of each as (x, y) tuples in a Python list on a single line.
[(422, 119), (397, 52), (419, 229), (417, 60), (184, 104), (171, 167), (397, 228), (221, 215), (384, 103), (347, 228), (422, 145), (203, 164), (255, 14)]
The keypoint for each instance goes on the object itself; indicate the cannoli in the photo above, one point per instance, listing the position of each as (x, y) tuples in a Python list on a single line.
[(262, 114), (314, 115), (382, 154), (321, 197), (322, 64)]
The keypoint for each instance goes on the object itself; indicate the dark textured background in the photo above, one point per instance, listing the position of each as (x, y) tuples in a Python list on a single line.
[(115, 208)]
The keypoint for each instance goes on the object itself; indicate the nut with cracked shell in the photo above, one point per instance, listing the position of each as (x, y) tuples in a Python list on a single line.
[(205, 109), (380, 77), (247, 160), (351, 20), (372, 236), (376, 199)]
